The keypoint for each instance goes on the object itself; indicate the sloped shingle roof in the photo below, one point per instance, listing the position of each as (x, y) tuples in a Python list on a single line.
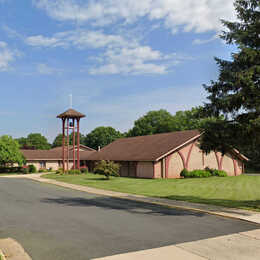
[(71, 113), (143, 148), (55, 153)]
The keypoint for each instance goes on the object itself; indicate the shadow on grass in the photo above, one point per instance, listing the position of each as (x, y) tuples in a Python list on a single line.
[(84, 177), (119, 204), (240, 204), (98, 179)]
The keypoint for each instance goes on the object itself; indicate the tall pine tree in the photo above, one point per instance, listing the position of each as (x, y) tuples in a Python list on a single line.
[(236, 93)]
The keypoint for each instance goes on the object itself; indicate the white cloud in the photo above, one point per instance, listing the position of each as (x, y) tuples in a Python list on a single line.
[(123, 53), (120, 55), (11, 32), (202, 41), (199, 16), (42, 41), (7, 56), (137, 60), (47, 70), (3, 44), (79, 38)]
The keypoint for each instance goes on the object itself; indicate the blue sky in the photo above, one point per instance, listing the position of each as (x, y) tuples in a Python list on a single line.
[(118, 58)]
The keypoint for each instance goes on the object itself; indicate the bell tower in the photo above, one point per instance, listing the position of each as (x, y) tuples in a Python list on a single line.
[(70, 124)]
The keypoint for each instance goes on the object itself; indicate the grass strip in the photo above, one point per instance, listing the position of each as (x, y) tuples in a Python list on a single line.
[(239, 192)]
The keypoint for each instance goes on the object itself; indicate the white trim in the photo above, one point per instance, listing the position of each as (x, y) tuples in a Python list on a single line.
[(176, 148), (89, 149), (237, 153)]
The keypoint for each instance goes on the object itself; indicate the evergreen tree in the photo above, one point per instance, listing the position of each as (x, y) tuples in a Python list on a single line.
[(236, 93)]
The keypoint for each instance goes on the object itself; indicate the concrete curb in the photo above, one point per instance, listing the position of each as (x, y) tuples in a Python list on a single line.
[(200, 211), (2, 256), (13, 250), (231, 213)]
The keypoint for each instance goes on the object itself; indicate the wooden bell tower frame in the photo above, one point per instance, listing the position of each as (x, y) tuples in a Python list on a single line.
[(70, 124)]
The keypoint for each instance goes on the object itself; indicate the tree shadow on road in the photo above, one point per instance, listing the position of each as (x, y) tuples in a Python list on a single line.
[(119, 204)]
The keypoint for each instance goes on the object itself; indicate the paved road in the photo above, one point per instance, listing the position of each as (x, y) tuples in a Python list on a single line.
[(55, 223)]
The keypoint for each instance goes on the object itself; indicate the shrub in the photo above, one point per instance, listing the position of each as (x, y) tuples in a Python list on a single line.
[(11, 169), (184, 173), (74, 171), (59, 171), (203, 173), (25, 170), (32, 168), (84, 169), (107, 168), (42, 170), (195, 174), (217, 173), (200, 174), (50, 169)]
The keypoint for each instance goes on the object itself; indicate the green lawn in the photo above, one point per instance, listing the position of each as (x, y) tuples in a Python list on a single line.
[(240, 192)]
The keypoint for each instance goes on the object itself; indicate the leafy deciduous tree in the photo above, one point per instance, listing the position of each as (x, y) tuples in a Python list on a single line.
[(102, 136), (37, 141), (22, 141), (58, 140), (9, 151), (162, 121), (153, 122), (34, 141)]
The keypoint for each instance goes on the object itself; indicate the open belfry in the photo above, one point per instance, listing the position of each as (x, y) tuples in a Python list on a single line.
[(70, 125)]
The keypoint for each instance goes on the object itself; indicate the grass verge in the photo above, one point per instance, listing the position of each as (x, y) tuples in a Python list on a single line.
[(239, 192)]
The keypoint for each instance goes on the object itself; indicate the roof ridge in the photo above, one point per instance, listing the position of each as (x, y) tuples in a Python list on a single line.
[(172, 132), (144, 148)]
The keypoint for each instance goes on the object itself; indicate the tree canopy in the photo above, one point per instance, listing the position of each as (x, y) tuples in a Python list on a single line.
[(236, 93), (161, 121), (58, 139), (9, 151), (34, 141), (102, 136), (152, 123)]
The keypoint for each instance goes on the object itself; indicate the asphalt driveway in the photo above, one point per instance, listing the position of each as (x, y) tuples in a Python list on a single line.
[(55, 223)]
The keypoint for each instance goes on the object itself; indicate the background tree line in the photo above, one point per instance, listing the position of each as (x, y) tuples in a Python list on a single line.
[(154, 122)]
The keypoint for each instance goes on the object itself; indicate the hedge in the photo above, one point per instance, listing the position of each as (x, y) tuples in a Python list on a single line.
[(11, 169), (203, 173)]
